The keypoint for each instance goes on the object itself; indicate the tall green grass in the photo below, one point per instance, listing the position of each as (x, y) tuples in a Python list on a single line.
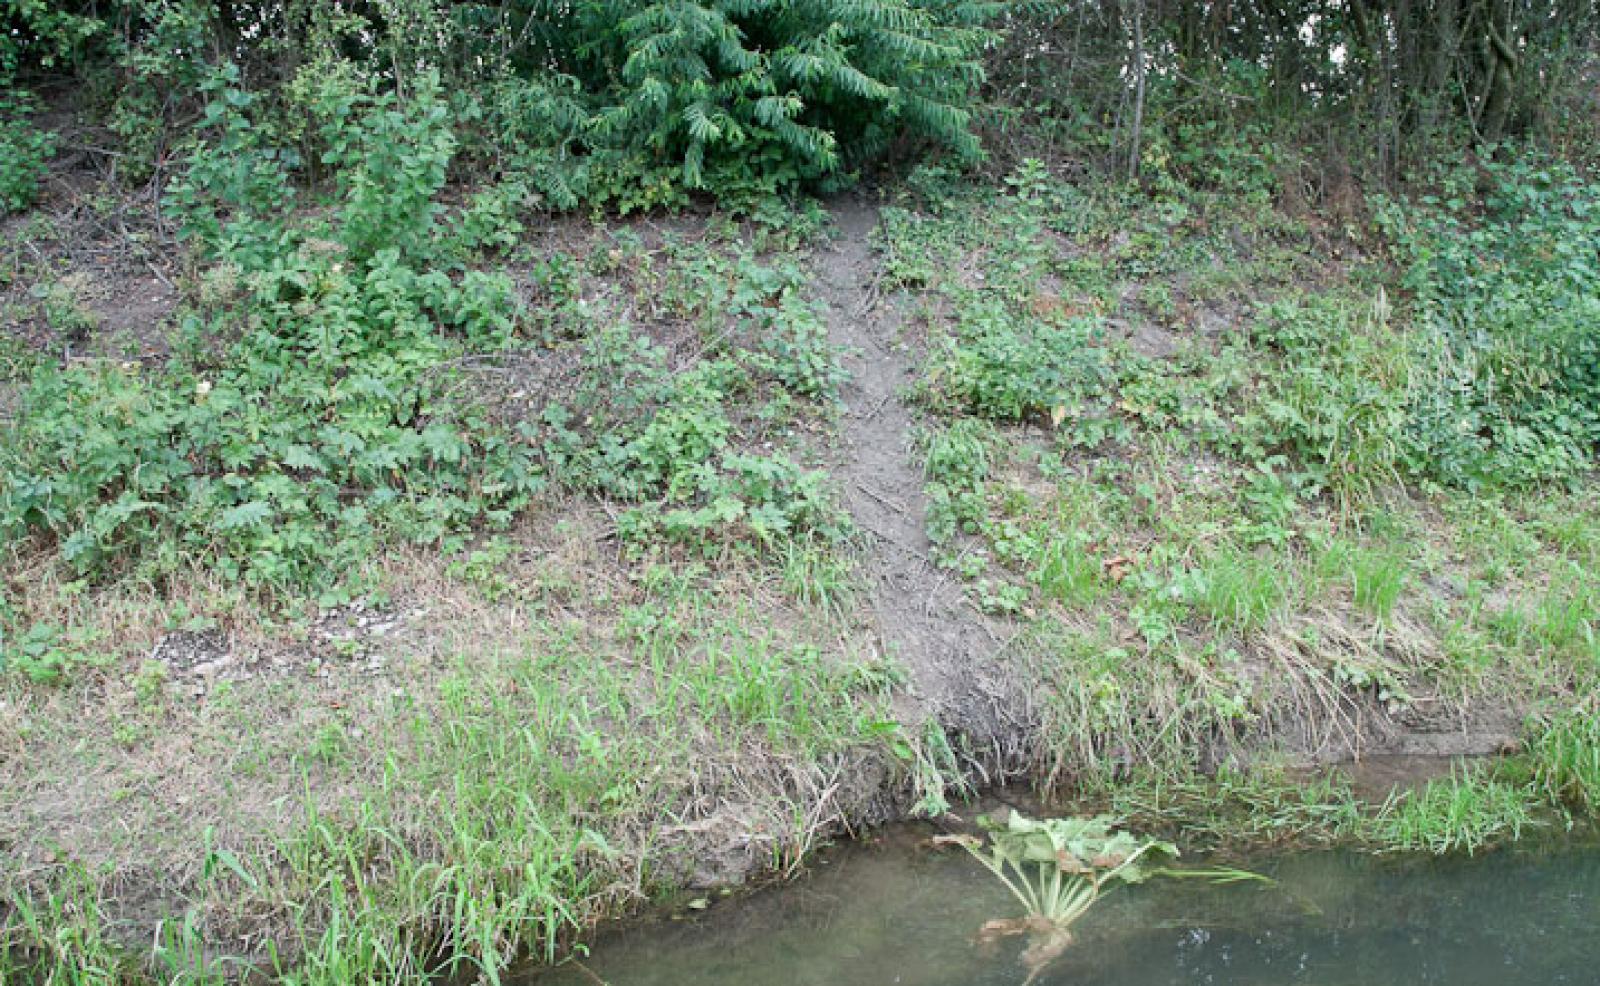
[(495, 818), (1566, 759), (1465, 812)]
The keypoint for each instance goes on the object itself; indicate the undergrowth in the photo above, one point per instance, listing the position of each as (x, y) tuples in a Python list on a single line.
[(498, 809), (1505, 285), (328, 399), (1201, 463), (24, 152), (1244, 475)]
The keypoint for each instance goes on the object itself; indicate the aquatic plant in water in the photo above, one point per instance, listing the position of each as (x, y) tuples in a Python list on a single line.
[(1059, 867)]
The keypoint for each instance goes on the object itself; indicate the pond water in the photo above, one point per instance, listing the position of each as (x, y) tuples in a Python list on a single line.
[(901, 912)]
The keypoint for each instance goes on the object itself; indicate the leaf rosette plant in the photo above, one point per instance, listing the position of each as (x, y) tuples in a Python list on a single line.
[(1059, 867)]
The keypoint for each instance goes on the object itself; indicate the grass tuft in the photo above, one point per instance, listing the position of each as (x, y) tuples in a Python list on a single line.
[(1469, 811)]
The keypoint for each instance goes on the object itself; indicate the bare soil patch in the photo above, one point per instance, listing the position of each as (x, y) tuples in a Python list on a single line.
[(922, 615)]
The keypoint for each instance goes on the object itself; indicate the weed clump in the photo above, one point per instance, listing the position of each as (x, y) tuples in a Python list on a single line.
[(24, 151), (322, 426)]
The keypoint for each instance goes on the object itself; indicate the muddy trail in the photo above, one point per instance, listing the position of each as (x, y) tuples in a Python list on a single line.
[(922, 616)]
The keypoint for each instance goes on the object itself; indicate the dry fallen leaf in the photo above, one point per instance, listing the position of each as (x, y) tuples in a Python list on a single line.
[(1117, 567), (1068, 863)]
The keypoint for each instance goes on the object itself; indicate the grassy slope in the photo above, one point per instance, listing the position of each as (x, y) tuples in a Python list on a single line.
[(577, 713), (509, 739), (1162, 437)]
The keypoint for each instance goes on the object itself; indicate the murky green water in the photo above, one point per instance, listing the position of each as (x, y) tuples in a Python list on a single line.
[(901, 914)]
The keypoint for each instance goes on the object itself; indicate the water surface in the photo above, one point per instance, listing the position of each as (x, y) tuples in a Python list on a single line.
[(903, 913)]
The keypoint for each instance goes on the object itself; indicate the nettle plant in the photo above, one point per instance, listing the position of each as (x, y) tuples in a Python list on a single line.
[(322, 425)]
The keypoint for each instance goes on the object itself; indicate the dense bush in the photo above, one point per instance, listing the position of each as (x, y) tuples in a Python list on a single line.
[(1008, 369), (742, 91), (44, 34), (24, 149), (1507, 284), (630, 104)]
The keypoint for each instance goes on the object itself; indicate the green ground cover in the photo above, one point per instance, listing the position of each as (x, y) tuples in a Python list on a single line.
[(422, 533)]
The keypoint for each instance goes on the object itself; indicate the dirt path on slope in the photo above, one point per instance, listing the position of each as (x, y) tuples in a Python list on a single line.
[(923, 617), (955, 656)]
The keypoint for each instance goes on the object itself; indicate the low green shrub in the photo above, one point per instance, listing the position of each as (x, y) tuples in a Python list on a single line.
[(957, 464), (1008, 369), (324, 425), (1333, 393), (24, 150), (44, 653), (321, 405), (1507, 284)]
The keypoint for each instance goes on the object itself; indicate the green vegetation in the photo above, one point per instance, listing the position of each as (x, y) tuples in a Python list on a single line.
[(1507, 288), (375, 397), (1214, 504), (1058, 868), (1566, 758), (425, 507), (333, 419), (1062, 865), (1461, 813), (1477, 807), (628, 104), (503, 802), (24, 151)]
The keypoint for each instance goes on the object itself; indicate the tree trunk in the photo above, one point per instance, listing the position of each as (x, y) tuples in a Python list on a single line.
[(1501, 65), (1138, 93), (1446, 46)]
